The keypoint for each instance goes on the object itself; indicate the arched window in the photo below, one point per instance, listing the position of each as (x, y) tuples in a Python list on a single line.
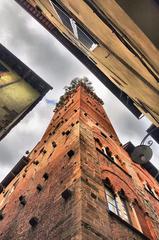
[(124, 213), (111, 200), (117, 203), (151, 190), (148, 188), (110, 196), (107, 152)]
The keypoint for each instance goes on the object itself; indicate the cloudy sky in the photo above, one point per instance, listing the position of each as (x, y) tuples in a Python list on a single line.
[(31, 43)]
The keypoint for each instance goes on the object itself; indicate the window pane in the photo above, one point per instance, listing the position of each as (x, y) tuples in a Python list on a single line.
[(124, 211), (79, 33), (119, 211), (111, 200), (109, 193), (126, 218), (83, 37), (63, 16), (110, 197), (112, 208)]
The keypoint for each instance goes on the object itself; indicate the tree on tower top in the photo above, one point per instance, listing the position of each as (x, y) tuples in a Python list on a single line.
[(72, 88)]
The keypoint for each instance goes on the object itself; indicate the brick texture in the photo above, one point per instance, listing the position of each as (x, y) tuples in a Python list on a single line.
[(63, 182)]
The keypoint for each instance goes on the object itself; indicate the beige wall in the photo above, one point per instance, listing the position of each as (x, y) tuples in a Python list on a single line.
[(111, 56)]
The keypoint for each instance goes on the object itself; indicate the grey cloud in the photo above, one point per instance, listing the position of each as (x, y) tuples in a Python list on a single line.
[(24, 136), (34, 44)]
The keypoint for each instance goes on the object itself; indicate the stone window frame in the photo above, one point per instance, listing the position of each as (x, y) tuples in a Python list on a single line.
[(106, 150), (150, 190), (133, 222), (117, 202), (114, 161)]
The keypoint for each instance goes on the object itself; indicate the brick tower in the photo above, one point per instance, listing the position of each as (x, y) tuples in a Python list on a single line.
[(78, 183)]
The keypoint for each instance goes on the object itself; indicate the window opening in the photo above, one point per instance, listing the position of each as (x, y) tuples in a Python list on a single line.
[(112, 203), (39, 187), (98, 141), (36, 162), (46, 176), (117, 203), (151, 190), (41, 150), (93, 196), (67, 132), (124, 210), (22, 200), (79, 32), (63, 16), (148, 188), (33, 221), (70, 153), (54, 144), (85, 38), (24, 175), (1, 212), (107, 152), (66, 194), (44, 151), (1, 215)]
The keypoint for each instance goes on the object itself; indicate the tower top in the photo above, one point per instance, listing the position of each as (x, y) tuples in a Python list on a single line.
[(72, 88), (80, 98)]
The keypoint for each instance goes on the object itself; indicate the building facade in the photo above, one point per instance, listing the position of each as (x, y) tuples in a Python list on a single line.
[(117, 40), (78, 182), (21, 90)]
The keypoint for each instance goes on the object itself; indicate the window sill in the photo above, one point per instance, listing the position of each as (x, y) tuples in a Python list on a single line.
[(107, 157), (128, 225)]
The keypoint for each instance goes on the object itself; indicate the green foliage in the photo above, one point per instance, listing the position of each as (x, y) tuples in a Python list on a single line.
[(72, 87), (76, 82)]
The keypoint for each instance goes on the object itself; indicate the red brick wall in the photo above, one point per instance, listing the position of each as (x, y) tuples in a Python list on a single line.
[(85, 215)]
